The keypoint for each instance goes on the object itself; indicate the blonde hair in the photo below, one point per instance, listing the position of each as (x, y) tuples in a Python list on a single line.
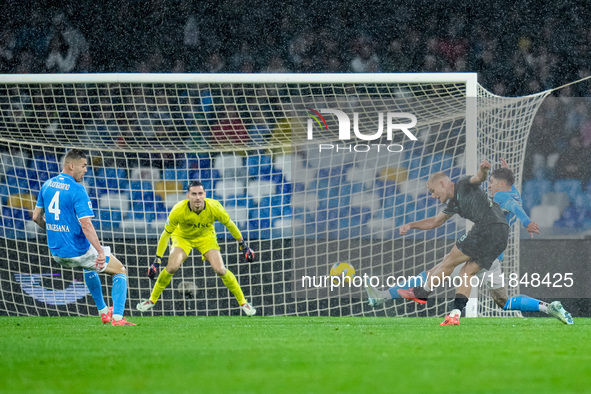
[(436, 177)]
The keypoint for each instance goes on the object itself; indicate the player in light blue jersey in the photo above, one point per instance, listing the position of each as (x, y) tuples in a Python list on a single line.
[(64, 210), (507, 196)]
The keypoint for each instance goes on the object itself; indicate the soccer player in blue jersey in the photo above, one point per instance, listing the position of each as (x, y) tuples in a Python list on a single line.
[(506, 195), (64, 210)]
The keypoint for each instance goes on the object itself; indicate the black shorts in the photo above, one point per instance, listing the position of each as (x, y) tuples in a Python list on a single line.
[(485, 243)]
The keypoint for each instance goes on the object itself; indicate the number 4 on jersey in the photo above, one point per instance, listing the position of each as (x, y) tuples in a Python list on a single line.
[(54, 206)]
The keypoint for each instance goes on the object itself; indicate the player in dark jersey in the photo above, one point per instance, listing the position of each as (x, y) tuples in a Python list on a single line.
[(482, 244), (504, 192), (507, 196)]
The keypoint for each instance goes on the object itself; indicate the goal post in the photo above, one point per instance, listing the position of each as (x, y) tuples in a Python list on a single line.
[(315, 169)]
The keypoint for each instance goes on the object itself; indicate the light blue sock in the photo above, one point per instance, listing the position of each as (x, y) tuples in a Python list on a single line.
[(119, 293), (522, 303), (411, 282), (93, 282)]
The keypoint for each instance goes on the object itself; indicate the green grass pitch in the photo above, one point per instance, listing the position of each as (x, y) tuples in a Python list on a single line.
[(294, 354)]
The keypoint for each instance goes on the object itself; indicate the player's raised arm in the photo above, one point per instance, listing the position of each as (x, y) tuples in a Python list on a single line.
[(517, 209), (482, 174), (426, 224)]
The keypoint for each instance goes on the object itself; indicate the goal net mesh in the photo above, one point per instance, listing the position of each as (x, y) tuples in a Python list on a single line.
[(272, 154)]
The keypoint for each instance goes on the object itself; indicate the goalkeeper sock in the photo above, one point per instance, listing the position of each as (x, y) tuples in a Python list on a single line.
[(413, 281), (525, 304), (163, 280), (93, 282), (119, 295), (232, 284)]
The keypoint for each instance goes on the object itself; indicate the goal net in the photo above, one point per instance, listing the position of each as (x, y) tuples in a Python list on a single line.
[(314, 170)]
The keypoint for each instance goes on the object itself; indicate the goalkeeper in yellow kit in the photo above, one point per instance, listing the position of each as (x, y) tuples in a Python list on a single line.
[(190, 225)]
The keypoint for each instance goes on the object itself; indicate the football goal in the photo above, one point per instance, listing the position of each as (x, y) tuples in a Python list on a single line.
[(315, 169)]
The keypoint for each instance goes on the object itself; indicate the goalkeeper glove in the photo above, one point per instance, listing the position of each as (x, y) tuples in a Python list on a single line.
[(153, 270), (246, 252)]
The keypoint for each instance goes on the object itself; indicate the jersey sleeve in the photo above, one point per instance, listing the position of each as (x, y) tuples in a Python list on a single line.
[(40, 199), (501, 198), (162, 243), (82, 204), (222, 216), (461, 186), (171, 223), (173, 219), (517, 209), (448, 210), (464, 185)]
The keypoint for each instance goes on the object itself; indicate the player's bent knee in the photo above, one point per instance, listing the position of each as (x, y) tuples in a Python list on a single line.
[(218, 267), (215, 260), (499, 297), (220, 271), (115, 266), (175, 260), (171, 268), (500, 301), (454, 258), (449, 264)]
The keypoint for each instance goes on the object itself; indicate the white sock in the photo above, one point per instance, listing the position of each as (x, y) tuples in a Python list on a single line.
[(104, 311), (543, 307), (117, 317), (456, 312), (427, 287)]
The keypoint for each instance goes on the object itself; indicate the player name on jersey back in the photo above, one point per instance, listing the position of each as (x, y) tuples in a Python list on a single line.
[(57, 227), (58, 185)]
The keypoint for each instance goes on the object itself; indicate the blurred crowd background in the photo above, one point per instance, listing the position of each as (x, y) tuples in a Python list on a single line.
[(517, 48)]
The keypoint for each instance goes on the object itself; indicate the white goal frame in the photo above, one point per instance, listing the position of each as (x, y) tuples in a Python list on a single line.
[(469, 79)]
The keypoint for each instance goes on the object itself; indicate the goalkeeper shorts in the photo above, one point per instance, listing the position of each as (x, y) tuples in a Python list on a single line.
[(202, 244), (86, 261)]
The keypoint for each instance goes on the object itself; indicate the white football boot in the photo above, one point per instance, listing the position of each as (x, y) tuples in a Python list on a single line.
[(248, 309), (144, 305)]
